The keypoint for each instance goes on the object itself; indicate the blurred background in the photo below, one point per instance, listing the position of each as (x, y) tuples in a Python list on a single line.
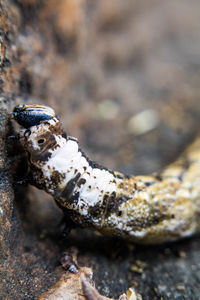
[(124, 77)]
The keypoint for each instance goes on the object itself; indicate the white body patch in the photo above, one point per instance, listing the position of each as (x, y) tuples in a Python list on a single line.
[(67, 159)]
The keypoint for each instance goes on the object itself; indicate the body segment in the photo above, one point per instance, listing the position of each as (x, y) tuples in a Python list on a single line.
[(146, 209)]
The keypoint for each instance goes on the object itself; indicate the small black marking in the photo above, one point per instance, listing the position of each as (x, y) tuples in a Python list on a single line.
[(72, 138), (158, 177), (68, 225), (64, 135), (43, 156), (180, 177), (111, 203), (105, 198), (41, 141), (128, 176), (81, 181), (68, 190), (119, 176), (149, 183)]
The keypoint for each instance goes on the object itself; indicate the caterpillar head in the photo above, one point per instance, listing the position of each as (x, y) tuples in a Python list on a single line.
[(41, 131), (31, 115)]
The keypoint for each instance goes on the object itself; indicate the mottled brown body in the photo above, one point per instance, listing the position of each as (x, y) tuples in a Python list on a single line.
[(165, 206), (147, 209)]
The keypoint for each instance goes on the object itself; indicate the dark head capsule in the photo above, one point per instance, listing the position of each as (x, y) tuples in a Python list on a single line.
[(31, 115)]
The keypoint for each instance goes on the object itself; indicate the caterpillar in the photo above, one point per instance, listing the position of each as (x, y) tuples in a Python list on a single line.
[(156, 208)]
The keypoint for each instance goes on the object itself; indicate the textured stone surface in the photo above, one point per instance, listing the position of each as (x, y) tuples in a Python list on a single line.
[(6, 196), (75, 56)]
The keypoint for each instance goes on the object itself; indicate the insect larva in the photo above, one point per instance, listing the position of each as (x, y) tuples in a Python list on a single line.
[(145, 209)]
